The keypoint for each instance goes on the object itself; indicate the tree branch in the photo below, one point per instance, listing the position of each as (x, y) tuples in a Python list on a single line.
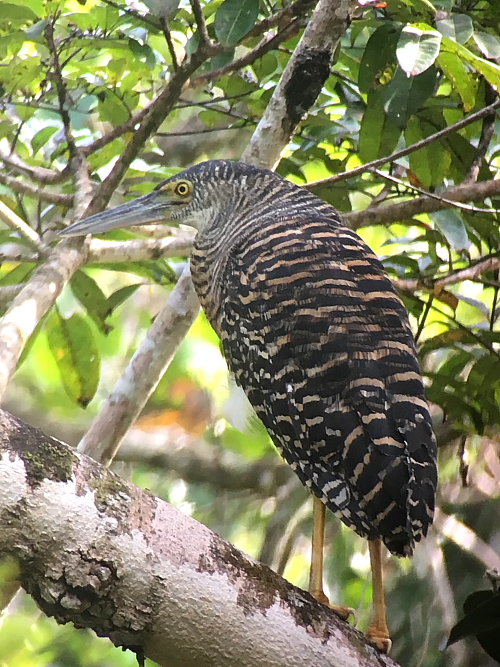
[(33, 301), (406, 151), (58, 198), (95, 550), (37, 174), (143, 372), (264, 46), (18, 225), (301, 82), (385, 215)]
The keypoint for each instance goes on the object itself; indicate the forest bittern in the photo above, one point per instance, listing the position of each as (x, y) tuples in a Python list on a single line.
[(315, 334)]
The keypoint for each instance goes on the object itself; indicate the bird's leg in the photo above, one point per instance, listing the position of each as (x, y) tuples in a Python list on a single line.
[(378, 632), (316, 573)]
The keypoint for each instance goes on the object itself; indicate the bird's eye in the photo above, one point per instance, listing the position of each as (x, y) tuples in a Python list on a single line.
[(182, 189)]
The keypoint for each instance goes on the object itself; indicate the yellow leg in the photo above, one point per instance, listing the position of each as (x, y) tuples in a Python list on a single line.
[(316, 573), (378, 632)]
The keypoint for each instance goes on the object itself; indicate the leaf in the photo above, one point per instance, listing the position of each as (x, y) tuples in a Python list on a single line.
[(482, 613), (159, 272), (112, 109), (450, 224), (90, 295), (430, 163), (73, 347), (488, 44), (10, 12), (379, 52), (404, 96), (120, 296), (143, 52), (234, 19), (417, 49), (378, 135), (459, 77), (42, 137), (490, 71), (163, 8), (458, 27)]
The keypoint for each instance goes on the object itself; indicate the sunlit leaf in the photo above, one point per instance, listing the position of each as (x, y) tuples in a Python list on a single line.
[(417, 49), (460, 77), (120, 296), (458, 27), (378, 135), (488, 44), (90, 295), (490, 71), (450, 223), (42, 137), (379, 52), (404, 96), (75, 352), (234, 19)]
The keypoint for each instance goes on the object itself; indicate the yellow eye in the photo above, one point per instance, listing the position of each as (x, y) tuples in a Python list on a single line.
[(182, 189)]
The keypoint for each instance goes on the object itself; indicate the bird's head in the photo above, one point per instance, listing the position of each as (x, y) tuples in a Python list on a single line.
[(196, 197)]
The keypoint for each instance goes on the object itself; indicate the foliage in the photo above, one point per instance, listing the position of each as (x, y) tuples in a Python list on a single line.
[(76, 77)]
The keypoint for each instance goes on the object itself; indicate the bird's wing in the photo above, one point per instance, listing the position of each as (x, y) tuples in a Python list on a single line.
[(320, 342)]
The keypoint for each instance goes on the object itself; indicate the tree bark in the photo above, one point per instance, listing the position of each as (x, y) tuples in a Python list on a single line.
[(100, 552)]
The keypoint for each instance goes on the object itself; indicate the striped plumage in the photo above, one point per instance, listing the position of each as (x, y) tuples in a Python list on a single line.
[(315, 334)]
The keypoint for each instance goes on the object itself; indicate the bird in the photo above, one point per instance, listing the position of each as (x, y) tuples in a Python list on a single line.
[(315, 334)]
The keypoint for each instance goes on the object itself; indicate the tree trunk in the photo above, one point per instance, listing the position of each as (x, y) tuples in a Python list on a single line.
[(96, 550)]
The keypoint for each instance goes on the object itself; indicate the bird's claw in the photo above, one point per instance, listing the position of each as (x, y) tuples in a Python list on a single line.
[(379, 638)]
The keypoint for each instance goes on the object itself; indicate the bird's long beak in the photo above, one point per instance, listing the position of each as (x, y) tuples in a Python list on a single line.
[(145, 210)]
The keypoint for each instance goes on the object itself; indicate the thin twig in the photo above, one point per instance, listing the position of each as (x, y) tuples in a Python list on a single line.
[(406, 151), (200, 23), (38, 174), (487, 132), (385, 215), (267, 44), (170, 42), (436, 284), (154, 117), (18, 225), (58, 198), (433, 195)]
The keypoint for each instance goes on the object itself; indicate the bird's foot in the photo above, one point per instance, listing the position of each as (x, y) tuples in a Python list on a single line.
[(343, 612), (379, 637)]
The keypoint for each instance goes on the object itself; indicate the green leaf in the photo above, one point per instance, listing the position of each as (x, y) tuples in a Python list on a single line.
[(460, 78), (90, 295), (120, 296), (73, 347), (159, 272), (490, 71), (488, 44), (112, 109), (431, 163), (380, 51), (403, 96), (234, 19), (10, 12), (417, 49), (143, 52), (450, 224), (458, 27), (378, 135), (42, 137)]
